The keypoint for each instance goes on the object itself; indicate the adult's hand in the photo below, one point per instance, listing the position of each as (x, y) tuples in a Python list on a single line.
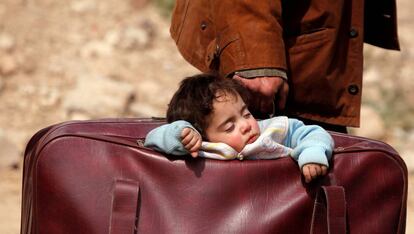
[(265, 90)]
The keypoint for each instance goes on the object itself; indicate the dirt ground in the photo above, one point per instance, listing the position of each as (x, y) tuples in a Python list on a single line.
[(47, 47)]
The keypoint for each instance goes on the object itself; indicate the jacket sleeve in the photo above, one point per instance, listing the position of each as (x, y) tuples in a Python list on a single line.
[(249, 35), (167, 138), (310, 143)]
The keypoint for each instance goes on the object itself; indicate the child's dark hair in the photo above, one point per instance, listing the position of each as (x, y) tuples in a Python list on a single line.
[(193, 101)]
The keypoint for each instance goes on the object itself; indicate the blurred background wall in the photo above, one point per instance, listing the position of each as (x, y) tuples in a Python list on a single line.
[(87, 59)]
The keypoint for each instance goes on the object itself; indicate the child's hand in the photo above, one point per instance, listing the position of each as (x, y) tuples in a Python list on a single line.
[(191, 141), (313, 170)]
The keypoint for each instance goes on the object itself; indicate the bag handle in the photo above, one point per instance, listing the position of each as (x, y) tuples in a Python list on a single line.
[(329, 211), (124, 206)]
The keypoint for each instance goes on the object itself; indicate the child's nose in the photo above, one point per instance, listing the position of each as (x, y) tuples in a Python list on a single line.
[(245, 127)]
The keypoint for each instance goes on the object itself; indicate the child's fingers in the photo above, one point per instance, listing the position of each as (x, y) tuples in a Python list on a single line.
[(191, 141), (318, 169), (187, 137), (312, 171), (185, 132), (306, 173), (308, 178), (196, 145), (324, 170), (194, 154), (194, 149)]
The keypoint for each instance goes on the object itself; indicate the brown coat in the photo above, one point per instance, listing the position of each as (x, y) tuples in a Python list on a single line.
[(318, 43)]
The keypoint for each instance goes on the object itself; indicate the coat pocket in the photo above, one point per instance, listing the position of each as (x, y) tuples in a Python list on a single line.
[(307, 41), (314, 66)]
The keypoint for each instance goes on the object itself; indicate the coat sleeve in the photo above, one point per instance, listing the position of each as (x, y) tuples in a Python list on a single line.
[(167, 138), (249, 34), (310, 143)]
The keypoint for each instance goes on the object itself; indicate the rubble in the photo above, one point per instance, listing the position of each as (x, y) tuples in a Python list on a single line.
[(9, 153), (97, 97)]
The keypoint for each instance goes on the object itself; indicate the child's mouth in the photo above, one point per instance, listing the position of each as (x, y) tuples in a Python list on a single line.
[(252, 139)]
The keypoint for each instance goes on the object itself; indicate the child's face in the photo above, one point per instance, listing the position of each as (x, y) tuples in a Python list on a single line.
[(231, 122)]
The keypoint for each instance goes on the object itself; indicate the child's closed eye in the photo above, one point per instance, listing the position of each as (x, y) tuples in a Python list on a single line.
[(229, 127), (247, 115)]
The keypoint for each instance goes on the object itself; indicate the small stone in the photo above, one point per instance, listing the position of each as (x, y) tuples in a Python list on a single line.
[(113, 37), (82, 6), (97, 97), (7, 42), (142, 109), (134, 38), (48, 96), (96, 49), (9, 153), (78, 115), (28, 65), (8, 65)]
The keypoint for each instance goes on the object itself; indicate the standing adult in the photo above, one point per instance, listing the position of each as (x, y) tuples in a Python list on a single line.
[(303, 57)]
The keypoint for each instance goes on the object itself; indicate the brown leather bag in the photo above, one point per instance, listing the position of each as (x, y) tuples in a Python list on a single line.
[(92, 177)]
